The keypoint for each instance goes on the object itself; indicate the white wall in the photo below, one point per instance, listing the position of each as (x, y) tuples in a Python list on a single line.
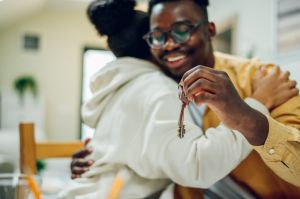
[(12, 10), (256, 28), (56, 66), (255, 24)]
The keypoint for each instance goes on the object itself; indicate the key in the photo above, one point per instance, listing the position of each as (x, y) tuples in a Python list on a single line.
[(181, 127)]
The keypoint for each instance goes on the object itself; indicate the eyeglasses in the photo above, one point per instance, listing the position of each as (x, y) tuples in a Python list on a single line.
[(180, 32)]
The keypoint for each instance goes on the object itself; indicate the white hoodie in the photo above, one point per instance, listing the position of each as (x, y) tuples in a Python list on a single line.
[(135, 110)]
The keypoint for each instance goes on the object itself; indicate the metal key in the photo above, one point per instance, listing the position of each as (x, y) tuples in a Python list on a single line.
[(181, 127)]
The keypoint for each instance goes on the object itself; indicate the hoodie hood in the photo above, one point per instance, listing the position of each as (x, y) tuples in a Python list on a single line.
[(105, 83)]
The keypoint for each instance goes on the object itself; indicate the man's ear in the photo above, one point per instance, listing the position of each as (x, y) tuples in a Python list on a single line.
[(211, 29)]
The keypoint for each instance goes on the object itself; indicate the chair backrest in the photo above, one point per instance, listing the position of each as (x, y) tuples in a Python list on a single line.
[(30, 150)]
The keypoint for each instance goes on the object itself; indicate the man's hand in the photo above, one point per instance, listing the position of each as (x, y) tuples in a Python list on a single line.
[(273, 89), (79, 164), (206, 85)]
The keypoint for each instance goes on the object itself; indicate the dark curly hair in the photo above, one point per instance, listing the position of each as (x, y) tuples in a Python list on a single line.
[(201, 3), (123, 25)]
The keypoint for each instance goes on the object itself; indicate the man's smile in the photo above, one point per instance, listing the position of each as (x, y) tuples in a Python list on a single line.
[(175, 60)]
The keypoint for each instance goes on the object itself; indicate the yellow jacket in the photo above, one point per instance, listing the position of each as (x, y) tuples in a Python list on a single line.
[(281, 151)]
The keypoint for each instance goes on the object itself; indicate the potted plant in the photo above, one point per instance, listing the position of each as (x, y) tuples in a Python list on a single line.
[(24, 84)]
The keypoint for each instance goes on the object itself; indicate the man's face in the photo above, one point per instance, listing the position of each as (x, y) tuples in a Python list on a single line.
[(179, 58)]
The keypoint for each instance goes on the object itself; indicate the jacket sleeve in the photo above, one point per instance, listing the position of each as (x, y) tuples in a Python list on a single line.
[(197, 160), (281, 151)]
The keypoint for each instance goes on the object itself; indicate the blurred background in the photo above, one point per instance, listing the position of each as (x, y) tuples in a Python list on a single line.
[(52, 43), (48, 50)]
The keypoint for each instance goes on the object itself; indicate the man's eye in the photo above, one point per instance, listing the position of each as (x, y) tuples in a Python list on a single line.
[(158, 37), (180, 34), (181, 29)]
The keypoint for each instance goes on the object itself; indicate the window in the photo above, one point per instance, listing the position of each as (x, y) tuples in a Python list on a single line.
[(288, 26), (93, 60)]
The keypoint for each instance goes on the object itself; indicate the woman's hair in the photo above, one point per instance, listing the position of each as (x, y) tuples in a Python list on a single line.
[(123, 26)]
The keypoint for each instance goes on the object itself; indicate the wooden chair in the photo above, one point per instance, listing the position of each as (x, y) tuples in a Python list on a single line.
[(30, 150)]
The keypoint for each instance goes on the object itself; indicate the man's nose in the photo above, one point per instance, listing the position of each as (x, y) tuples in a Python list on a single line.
[(170, 44)]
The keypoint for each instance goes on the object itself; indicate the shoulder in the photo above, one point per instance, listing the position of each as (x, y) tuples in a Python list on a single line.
[(240, 70), (154, 86), (127, 65), (240, 66), (226, 61)]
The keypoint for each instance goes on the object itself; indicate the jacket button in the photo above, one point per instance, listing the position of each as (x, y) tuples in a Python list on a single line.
[(271, 151)]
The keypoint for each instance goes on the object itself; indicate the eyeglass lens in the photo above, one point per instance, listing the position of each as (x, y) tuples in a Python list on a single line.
[(180, 33)]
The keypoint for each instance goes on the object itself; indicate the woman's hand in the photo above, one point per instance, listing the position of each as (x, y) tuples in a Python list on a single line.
[(79, 164), (274, 88)]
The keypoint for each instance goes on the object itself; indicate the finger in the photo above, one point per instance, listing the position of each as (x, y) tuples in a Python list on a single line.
[(285, 75), (288, 94), (79, 170), (291, 84), (294, 92), (200, 73), (81, 163), (199, 86), (275, 71), (83, 153), (189, 72), (261, 72), (204, 97), (197, 68), (74, 176), (286, 86)]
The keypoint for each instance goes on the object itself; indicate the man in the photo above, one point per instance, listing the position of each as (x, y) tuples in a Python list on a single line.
[(134, 109), (180, 39)]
